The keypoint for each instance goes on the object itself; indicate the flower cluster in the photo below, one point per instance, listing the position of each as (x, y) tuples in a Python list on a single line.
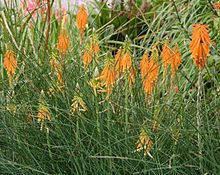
[(199, 45)]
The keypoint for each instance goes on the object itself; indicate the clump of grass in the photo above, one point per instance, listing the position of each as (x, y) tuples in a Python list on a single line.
[(67, 114)]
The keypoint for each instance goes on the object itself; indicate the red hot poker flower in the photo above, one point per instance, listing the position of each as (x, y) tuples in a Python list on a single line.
[(199, 45)]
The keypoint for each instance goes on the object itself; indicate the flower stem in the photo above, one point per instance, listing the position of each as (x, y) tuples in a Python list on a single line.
[(109, 132), (199, 118)]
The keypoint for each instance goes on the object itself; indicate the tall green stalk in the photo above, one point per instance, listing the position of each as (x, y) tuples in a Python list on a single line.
[(109, 131), (126, 106), (199, 119)]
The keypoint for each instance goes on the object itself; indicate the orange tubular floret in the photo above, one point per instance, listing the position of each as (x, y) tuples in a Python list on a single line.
[(126, 62), (87, 58), (153, 70), (166, 55), (176, 61), (132, 72), (144, 65)]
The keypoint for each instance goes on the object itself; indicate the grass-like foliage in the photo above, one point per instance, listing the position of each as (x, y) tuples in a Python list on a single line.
[(132, 89)]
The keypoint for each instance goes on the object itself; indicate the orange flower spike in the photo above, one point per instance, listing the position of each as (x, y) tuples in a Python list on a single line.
[(87, 58), (81, 20), (144, 65), (199, 45), (123, 64), (126, 66), (123, 60), (10, 63), (152, 71), (176, 61), (108, 76), (166, 55), (150, 82), (63, 42)]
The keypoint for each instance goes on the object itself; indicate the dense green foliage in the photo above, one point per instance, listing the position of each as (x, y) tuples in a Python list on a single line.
[(102, 140)]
